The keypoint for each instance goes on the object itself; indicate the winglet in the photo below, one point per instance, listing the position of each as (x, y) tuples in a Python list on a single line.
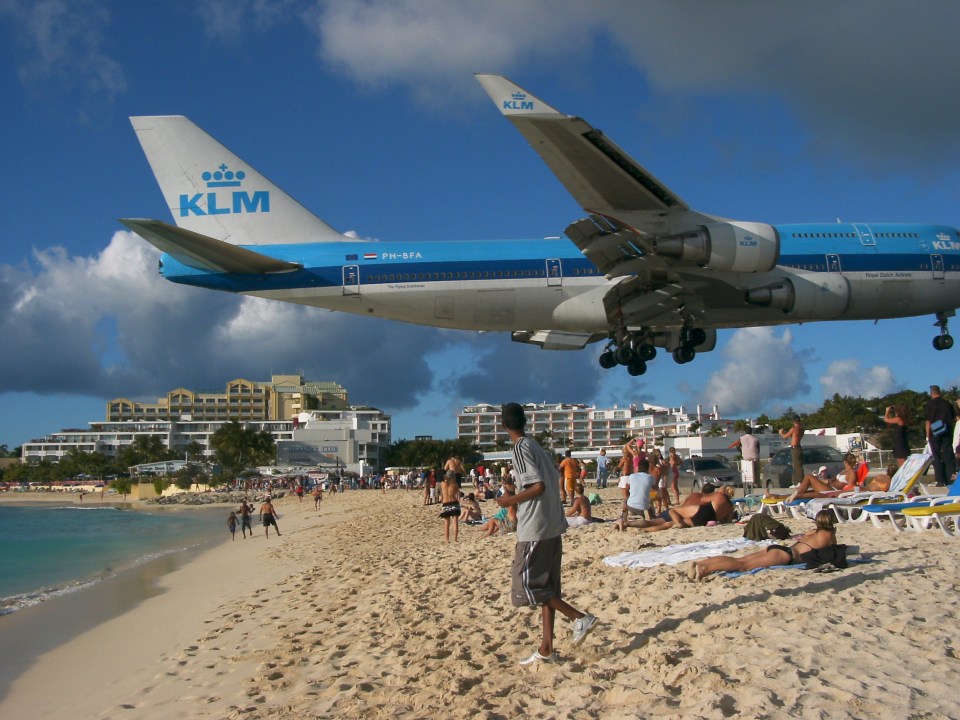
[(511, 99)]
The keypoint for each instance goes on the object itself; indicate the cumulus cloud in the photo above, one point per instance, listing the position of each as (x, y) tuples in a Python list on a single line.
[(421, 42), (504, 371), (61, 41), (760, 368), (227, 20), (845, 69), (109, 326), (847, 377)]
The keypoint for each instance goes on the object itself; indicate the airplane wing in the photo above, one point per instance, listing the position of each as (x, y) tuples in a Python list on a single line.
[(205, 253), (599, 175)]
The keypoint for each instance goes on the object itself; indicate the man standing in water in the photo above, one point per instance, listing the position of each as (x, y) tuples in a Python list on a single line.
[(540, 527), (268, 516)]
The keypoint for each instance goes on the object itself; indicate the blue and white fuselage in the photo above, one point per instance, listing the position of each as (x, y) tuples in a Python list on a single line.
[(863, 271)]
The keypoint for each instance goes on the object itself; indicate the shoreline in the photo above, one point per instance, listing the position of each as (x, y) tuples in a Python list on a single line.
[(47, 625), (362, 611)]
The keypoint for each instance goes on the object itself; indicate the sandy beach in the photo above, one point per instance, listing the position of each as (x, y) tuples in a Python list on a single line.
[(361, 611)]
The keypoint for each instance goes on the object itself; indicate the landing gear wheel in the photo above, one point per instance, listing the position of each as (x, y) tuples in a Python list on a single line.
[(607, 360), (943, 342), (697, 337), (624, 355), (646, 352), (684, 354), (637, 367)]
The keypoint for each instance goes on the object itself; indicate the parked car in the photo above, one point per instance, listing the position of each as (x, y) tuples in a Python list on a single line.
[(714, 469), (778, 473)]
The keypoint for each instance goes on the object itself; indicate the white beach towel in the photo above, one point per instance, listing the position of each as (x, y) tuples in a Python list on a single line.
[(678, 554)]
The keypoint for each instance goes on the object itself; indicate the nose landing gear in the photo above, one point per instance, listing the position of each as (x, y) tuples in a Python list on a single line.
[(943, 341)]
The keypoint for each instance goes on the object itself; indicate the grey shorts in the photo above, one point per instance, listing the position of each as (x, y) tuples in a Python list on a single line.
[(536, 572)]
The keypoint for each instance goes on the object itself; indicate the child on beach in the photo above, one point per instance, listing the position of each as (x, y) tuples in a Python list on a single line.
[(540, 527), (232, 525), (450, 496)]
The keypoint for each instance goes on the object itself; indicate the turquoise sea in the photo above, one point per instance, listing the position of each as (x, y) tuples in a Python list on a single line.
[(49, 551)]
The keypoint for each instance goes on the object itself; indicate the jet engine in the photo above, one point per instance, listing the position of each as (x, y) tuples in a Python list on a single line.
[(824, 295), (736, 247)]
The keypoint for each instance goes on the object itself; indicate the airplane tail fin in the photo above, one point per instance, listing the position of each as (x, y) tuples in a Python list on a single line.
[(211, 191)]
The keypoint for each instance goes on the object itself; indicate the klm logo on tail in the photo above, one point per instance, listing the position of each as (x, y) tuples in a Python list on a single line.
[(238, 201), (518, 101)]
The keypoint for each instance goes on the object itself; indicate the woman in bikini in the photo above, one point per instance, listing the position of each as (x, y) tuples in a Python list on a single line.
[(812, 486), (823, 535), (673, 460)]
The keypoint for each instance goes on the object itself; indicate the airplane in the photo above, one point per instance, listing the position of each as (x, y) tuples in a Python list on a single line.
[(640, 271)]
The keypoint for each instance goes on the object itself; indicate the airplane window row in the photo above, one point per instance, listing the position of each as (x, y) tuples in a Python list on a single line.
[(824, 235), (475, 275), (854, 235)]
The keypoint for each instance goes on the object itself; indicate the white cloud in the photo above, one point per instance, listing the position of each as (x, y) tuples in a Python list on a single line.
[(228, 20), (761, 367), (845, 69), (109, 326), (428, 42), (61, 41), (847, 377)]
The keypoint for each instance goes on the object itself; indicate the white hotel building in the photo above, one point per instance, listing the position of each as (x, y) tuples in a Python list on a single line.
[(583, 426)]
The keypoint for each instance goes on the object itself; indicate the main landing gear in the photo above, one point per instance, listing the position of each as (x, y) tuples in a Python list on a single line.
[(943, 341), (634, 352)]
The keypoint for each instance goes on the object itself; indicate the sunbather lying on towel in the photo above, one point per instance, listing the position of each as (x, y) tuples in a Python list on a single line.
[(824, 535), (713, 507)]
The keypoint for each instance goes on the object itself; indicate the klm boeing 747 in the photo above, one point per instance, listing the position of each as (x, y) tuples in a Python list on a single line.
[(640, 271)]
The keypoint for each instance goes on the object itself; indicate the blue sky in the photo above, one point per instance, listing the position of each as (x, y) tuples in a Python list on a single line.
[(367, 112)]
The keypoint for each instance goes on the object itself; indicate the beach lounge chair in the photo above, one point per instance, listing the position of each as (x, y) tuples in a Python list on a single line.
[(894, 511), (946, 516), (848, 507)]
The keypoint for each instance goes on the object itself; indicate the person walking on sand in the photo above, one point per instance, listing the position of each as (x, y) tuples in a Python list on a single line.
[(540, 527), (268, 516), (317, 496), (571, 475), (232, 525), (246, 510), (450, 512)]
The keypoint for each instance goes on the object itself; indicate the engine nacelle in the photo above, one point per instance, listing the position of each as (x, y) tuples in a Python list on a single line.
[(736, 247), (823, 295)]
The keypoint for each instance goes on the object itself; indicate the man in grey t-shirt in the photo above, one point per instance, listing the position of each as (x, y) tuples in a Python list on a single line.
[(540, 527)]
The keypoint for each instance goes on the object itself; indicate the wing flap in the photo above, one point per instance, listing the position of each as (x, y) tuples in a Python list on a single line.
[(205, 253), (557, 339)]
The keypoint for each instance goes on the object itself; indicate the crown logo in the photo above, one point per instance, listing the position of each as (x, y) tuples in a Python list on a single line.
[(222, 177), (519, 96)]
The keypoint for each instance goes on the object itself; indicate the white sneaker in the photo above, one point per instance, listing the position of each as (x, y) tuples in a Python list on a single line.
[(537, 657), (582, 627)]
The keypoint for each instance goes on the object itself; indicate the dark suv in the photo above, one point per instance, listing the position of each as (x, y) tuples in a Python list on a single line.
[(778, 473)]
